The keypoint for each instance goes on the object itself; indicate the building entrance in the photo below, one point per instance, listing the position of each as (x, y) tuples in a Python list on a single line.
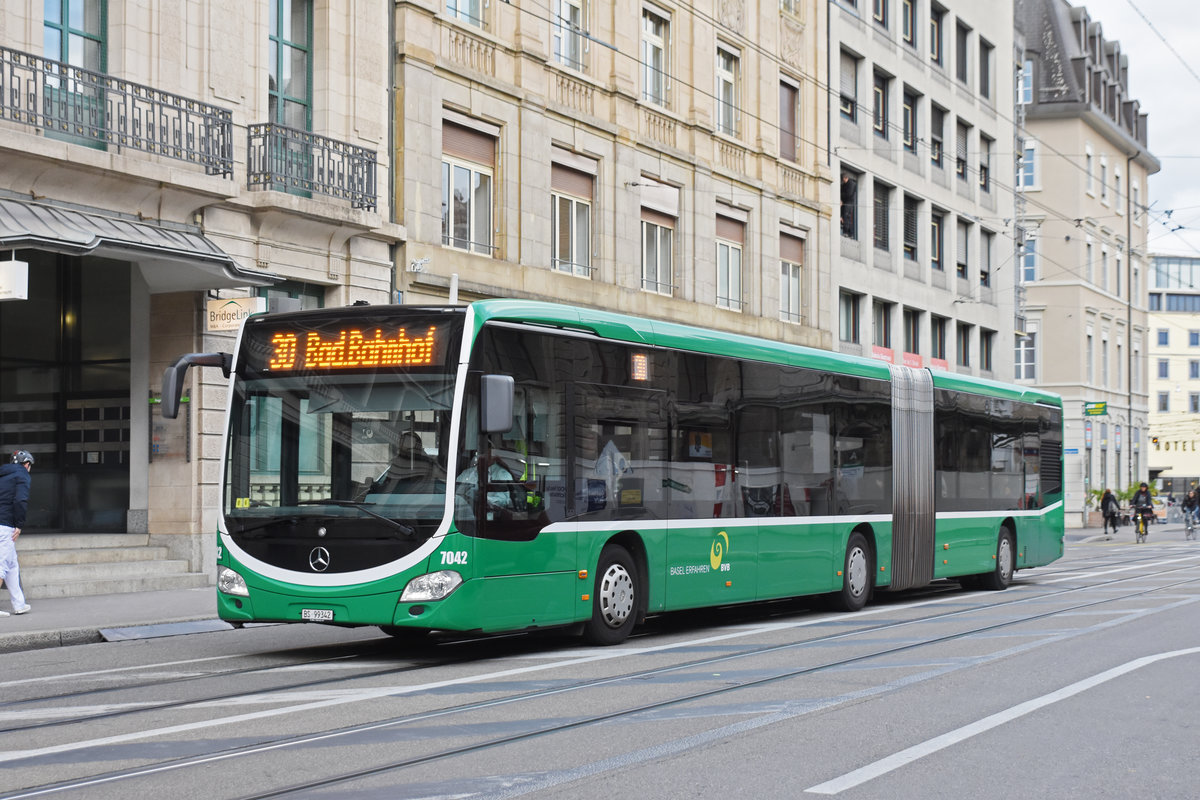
[(65, 390)]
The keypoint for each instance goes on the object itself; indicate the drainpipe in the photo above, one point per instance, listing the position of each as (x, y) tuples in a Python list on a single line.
[(1129, 302)]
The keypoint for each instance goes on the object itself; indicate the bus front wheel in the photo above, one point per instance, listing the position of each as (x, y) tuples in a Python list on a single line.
[(857, 572), (614, 599), (1002, 574)]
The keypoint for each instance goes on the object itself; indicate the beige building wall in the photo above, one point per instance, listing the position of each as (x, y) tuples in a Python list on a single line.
[(1083, 177), (500, 78), (216, 53)]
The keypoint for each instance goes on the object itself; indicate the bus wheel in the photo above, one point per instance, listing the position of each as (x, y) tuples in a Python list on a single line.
[(856, 575), (614, 601), (1006, 553)]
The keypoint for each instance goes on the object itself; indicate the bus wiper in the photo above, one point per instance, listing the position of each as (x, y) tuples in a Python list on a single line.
[(407, 530), (266, 524)]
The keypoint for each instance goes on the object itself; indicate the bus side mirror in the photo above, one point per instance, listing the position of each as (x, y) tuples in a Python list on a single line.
[(172, 383), (496, 403)]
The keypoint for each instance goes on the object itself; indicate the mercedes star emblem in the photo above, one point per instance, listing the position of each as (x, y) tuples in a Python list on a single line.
[(318, 559)]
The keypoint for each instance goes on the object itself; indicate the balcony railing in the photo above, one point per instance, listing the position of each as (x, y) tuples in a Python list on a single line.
[(290, 160), (101, 111)]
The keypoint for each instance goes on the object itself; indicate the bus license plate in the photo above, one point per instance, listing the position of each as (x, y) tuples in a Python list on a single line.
[(316, 614)]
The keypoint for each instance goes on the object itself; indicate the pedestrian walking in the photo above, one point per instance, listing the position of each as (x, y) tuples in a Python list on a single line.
[(1110, 508), (14, 498)]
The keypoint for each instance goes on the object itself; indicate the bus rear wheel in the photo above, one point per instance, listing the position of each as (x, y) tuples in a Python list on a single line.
[(1006, 554), (614, 599), (857, 572)]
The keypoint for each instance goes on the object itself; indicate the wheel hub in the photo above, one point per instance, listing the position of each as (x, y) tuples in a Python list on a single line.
[(616, 595)]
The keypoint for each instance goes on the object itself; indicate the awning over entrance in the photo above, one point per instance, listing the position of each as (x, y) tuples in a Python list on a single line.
[(172, 259)]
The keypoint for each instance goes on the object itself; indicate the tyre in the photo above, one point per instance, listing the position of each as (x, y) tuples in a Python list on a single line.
[(857, 573), (614, 598), (1006, 556)]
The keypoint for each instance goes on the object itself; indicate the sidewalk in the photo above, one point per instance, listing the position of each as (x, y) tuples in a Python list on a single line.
[(60, 621), (56, 622)]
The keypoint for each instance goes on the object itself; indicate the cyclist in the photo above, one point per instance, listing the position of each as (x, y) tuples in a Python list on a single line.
[(1191, 506), (1143, 506)]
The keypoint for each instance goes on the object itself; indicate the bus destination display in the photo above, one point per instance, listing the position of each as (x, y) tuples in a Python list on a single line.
[(351, 348)]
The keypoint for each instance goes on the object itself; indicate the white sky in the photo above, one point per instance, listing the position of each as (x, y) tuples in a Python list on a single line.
[(1169, 91)]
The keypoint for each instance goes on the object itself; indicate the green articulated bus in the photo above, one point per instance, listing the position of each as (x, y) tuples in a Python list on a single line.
[(511, 465)]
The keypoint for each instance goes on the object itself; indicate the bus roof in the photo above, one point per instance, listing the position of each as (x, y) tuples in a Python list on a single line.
[(658, 333)]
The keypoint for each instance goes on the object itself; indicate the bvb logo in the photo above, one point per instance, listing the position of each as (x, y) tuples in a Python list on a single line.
[(719, 546)]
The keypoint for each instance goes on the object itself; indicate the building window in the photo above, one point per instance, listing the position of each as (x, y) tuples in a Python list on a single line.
[(1087, 262), (469, 11), (1090, 358), (1164, 368), (289, 93), (571, 220), (570, 27), (1089, 177), (908, 22), (961, 140), (985, 163), (1117, 192), (882, 228), (912, 331), (791, 265), (1164, 337), (882, 313), (961, 38), (879, 12), (963, 339), (848, 303), (882, 85), (849, 208), (789, 121), (985, 69), (849, 87), (936, 240), (1025, 96), (1193, 369), (1029, 263), (1164, 401), (937, 130), (986, 343), (656, 32), (985, 257), (910, 121), (657, 236), (73, 33), (1027, 177), (1104, 179), (1194, 403), (964, 236), (1104, 361), (1193, 338), (1026, 357), (731, 237), (937, 18), (937, 337), (467, 163), (727, 92), (912, 210)]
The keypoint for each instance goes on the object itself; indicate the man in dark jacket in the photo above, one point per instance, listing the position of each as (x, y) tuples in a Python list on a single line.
[(14, 498)]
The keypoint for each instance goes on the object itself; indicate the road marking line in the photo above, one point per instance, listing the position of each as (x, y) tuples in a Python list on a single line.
[(930, 746)]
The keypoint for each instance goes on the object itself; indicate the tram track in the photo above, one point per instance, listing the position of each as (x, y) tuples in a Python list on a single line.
[(694, 664), (440, 663)]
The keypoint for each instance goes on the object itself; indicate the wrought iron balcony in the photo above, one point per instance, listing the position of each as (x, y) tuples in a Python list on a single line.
[(98, 110), (290, 160)]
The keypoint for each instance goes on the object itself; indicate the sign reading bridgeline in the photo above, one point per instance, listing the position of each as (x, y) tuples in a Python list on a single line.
[(1095, 409), (227, 315)]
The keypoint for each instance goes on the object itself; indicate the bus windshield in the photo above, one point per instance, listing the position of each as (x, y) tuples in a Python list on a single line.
[(355, 443)]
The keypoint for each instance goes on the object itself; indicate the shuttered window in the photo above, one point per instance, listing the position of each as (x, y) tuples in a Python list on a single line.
[(849, 86), (912, 208)]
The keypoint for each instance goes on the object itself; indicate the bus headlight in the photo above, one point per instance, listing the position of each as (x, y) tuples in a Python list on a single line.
[(229, 582), (432, 586)]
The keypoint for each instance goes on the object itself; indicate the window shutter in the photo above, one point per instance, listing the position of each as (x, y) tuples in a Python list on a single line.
[(466, 143), (849, 82), (791, 249), (731, 230), (570, 181)]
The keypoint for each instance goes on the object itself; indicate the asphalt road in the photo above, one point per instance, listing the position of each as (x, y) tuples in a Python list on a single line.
[(1079, 681)]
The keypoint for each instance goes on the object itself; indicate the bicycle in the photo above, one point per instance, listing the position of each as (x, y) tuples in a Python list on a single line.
[(1189, 522), (1140, 526)]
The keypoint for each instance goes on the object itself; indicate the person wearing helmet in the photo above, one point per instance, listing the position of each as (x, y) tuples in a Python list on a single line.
[(14, 498), (1143, 503)]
